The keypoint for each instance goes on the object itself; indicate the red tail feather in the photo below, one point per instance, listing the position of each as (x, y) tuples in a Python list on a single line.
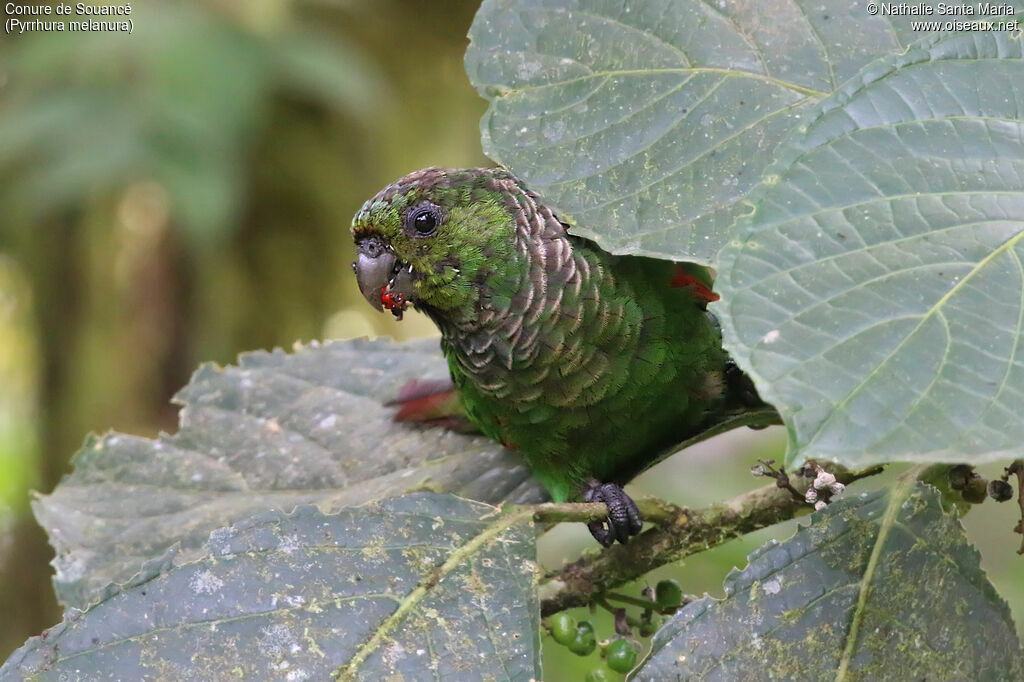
[(433, 402), (681, 279)]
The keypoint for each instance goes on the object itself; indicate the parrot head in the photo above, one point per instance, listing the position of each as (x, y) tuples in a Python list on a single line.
[(434, 238)]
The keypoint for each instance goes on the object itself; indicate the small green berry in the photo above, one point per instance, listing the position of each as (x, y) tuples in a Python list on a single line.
[(597, 675), (585, 642), (648, 629), (975, 494), (668, 594), (563, 628), (620, 655), (583, 645)]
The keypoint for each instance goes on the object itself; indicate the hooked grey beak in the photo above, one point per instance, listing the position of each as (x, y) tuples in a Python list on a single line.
[(378, 270), (373, 274)]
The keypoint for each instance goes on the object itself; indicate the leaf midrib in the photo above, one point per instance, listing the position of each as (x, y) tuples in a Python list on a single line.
[(935, 309), (897, 497), (457, 557)]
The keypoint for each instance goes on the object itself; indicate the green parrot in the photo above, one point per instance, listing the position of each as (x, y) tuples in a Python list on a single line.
[(589, 364)]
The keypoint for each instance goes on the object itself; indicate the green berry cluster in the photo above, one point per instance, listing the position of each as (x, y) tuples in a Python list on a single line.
[(621, 652)]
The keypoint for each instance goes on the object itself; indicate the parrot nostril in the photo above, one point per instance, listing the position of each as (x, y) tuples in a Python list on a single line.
[(371, 246)]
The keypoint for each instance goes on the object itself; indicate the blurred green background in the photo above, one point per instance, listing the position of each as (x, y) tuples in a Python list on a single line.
[(183, 193)]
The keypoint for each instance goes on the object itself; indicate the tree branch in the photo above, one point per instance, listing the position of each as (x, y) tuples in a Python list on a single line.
[(678, 533)]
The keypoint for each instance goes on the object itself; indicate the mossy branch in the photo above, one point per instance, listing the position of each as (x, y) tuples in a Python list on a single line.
[(677, 533)]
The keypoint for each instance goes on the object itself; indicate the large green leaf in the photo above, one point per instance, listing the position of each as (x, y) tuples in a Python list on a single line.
[(876, 293), (418, 585), (880, 586), (648, 122), (277, 431)]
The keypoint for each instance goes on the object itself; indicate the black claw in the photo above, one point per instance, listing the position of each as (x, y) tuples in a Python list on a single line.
[(623, 520), (601, 534)]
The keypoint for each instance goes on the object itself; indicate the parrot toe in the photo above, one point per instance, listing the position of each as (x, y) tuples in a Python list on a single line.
[(623, 520)]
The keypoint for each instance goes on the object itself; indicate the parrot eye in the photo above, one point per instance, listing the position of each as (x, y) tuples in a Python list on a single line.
[(424, 219)]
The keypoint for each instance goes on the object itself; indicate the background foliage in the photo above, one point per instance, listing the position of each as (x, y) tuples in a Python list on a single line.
[(184, 194), (156, 211)]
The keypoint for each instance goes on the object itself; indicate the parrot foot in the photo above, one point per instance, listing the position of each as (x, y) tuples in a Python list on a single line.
[(623, 520)]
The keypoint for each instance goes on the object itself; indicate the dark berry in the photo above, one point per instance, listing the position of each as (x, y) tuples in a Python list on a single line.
[(999, 490), (959, 475)]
